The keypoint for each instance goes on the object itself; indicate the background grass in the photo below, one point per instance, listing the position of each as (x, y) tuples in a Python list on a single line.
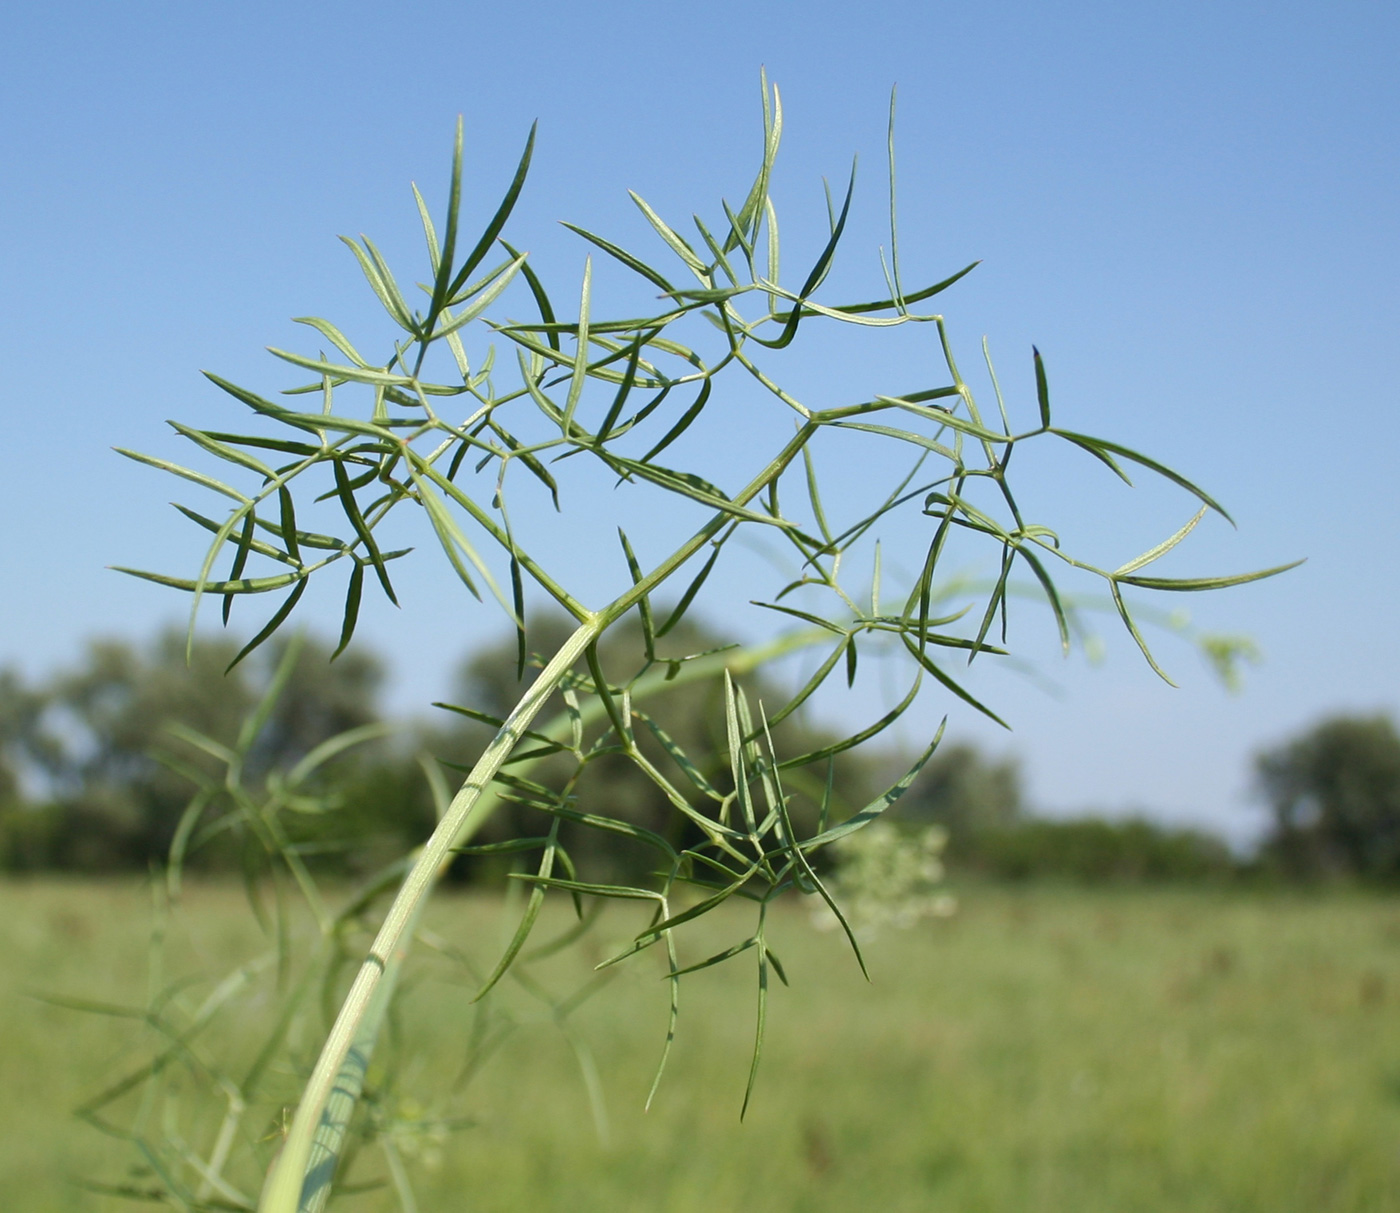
[(1046, 1049)]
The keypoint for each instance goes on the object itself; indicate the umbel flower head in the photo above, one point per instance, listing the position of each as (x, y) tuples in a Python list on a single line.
[(889, 875)]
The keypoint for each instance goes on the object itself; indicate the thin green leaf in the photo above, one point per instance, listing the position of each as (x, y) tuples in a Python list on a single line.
[(817, 274), (805, 616), (903, 436), (604, 693), (962, 693), (1102, 448), (527, 920), (277, 620), (676, 243), (442, 261), (352, 607), (882, 304), (1052, 595), (1192, 584), (728, 953), (1162, 548), (643, 603), (387, 292), (1042, 389), (855, 739), (690, 591), (246, 585), (335, 337), (240, 558), (812, 683), (289, 523), (747, 218), (679, 756), (759, 1029), (683, 424), (352, 512), (882, 802), (222, 450), (635, 264), (498, 220), (580, 371), (348, 374), (1128, 622), (483, 300), (185, 473), (541, 296)]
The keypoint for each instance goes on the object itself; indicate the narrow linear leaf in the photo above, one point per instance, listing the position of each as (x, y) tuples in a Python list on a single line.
[(1132, 627), (1103, 449), (498, 220), (580, 371), (683, 424), (1052, 595), (247, 585), (185, 473), (728, 953), (1192, 584), (676, 243), (240, 558), (353, 592), (882, 802), (961, 692), (856, 739), (812, 683), (386, 292), (335, 337), (635, 264), (289, 523), (759, 1029), (1162, 548), (690, 591), (357, 521), (527, 920), (634, 569), (1042, 389)]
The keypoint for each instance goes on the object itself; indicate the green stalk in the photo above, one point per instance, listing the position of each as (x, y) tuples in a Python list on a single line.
[(300, 1179)]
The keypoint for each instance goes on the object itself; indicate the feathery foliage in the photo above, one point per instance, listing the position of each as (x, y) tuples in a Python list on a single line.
[(404, 429)]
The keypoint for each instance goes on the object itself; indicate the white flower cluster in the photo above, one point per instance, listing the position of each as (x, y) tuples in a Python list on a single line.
[(888, 875)]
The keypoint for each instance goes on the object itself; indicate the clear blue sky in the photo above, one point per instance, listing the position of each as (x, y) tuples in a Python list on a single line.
[(1190, 208)]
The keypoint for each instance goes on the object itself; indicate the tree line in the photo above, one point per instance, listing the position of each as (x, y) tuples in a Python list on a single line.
[(97, 763)]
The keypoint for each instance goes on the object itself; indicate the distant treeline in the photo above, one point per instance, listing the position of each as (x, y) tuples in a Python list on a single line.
[(98, 763)]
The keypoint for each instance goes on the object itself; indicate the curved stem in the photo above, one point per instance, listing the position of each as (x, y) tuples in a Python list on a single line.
[(300, 1179)]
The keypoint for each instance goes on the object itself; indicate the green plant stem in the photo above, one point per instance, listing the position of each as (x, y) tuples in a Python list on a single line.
[(296, 1181)]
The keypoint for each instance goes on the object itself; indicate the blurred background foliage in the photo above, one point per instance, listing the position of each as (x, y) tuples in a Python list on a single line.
[(92, 779)]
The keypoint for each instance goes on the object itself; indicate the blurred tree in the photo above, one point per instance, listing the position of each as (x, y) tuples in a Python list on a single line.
[(93, 749), (19, 707), (1335, 796), (1091, 850), (91, 741), (23, 831)]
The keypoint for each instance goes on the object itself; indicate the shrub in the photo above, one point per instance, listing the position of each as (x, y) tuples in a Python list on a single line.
[(1094, 851)]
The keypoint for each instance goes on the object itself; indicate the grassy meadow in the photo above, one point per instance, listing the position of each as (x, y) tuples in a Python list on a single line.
[(1046, 1049)]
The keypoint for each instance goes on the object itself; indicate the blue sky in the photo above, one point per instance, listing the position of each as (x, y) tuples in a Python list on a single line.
[(1190, 208)]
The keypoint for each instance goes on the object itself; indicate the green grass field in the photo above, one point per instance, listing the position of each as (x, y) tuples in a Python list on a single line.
[(1046, 1049)]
